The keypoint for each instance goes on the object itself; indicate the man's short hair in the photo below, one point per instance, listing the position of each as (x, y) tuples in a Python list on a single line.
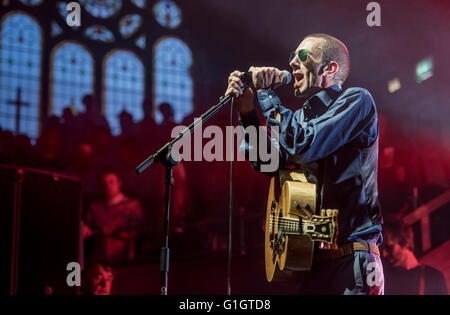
[(107, 171), (400, 232), (334, 50)]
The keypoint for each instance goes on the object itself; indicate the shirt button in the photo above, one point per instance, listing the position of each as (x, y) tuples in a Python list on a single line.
[(270, 96)]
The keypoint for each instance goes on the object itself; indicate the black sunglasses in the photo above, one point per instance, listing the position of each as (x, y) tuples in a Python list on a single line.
[(302, 55)]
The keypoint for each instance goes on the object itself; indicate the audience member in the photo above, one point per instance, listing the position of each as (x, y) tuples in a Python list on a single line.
[(97, 280), (168, 117), (127, 126), (91, 119), (112, 223), (404, 274)]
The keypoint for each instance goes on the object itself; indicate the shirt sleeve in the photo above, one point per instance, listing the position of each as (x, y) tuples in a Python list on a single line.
[(251, 147), (346, 119)]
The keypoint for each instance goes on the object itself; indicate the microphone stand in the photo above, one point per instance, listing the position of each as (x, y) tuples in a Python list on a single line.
[(164, 156)]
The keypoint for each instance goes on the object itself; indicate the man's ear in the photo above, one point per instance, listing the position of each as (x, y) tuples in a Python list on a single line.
[(331, 68)]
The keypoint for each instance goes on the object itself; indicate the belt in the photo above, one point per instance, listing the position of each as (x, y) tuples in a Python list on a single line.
[(323, 255)]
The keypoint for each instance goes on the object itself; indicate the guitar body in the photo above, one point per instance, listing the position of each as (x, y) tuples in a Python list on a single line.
[(292, 226)]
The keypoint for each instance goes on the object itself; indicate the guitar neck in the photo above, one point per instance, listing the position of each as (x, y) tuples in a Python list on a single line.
[(289, 226)]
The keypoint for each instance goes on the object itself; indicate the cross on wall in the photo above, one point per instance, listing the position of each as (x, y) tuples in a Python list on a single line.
[(18, 103)]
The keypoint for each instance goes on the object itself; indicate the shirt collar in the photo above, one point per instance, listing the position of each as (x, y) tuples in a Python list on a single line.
[(326, 96)]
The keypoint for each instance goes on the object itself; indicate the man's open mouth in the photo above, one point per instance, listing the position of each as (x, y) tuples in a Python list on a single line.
[(298, 79)]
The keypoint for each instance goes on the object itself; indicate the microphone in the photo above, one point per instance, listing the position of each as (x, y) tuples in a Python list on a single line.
[(287, 78), (246, 77)]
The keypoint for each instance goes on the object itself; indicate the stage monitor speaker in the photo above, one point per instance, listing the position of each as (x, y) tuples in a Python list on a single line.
[(42, 210)]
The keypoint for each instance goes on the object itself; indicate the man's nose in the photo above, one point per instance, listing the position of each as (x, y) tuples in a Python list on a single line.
[(294, 63)]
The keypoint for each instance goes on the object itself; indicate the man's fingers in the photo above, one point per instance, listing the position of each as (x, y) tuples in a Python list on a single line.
[(262, 77), (233, 78), (231, 91), (236, 86), (266, 77), (234, 89), (234, 75), (278, 79), (269, 74), (260, 83), (236, 80), (257, 75), (254, 75)]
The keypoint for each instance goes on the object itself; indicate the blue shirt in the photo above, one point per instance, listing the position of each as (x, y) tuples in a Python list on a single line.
[(334, 137)]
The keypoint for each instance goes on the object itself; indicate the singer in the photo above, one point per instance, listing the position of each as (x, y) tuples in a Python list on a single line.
[(333, 137)]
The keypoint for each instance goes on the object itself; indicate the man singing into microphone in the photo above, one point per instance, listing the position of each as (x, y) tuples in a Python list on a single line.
[(334, 137)]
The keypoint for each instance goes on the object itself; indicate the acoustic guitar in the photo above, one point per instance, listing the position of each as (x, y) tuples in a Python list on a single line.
[(292, 226)]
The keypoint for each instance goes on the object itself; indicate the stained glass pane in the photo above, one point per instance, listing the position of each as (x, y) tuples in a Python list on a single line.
[(140, 3), (56, 29), (31, 2), (167, 13), (173, 82), (62, 9), (124, 87), (20, 72), (102, 8), (129, 24), (73, 77), (99, 33), (141, 42)]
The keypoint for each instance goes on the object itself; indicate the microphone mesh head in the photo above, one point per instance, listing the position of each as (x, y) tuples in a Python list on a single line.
[(287, 77)]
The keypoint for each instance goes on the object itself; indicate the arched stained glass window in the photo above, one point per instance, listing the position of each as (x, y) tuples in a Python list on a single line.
[(20, 72), (72, 77), (99, 33), (123, 87), (172, 80), (129, 24), (141, 42), (102, 8), (167, 13)]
